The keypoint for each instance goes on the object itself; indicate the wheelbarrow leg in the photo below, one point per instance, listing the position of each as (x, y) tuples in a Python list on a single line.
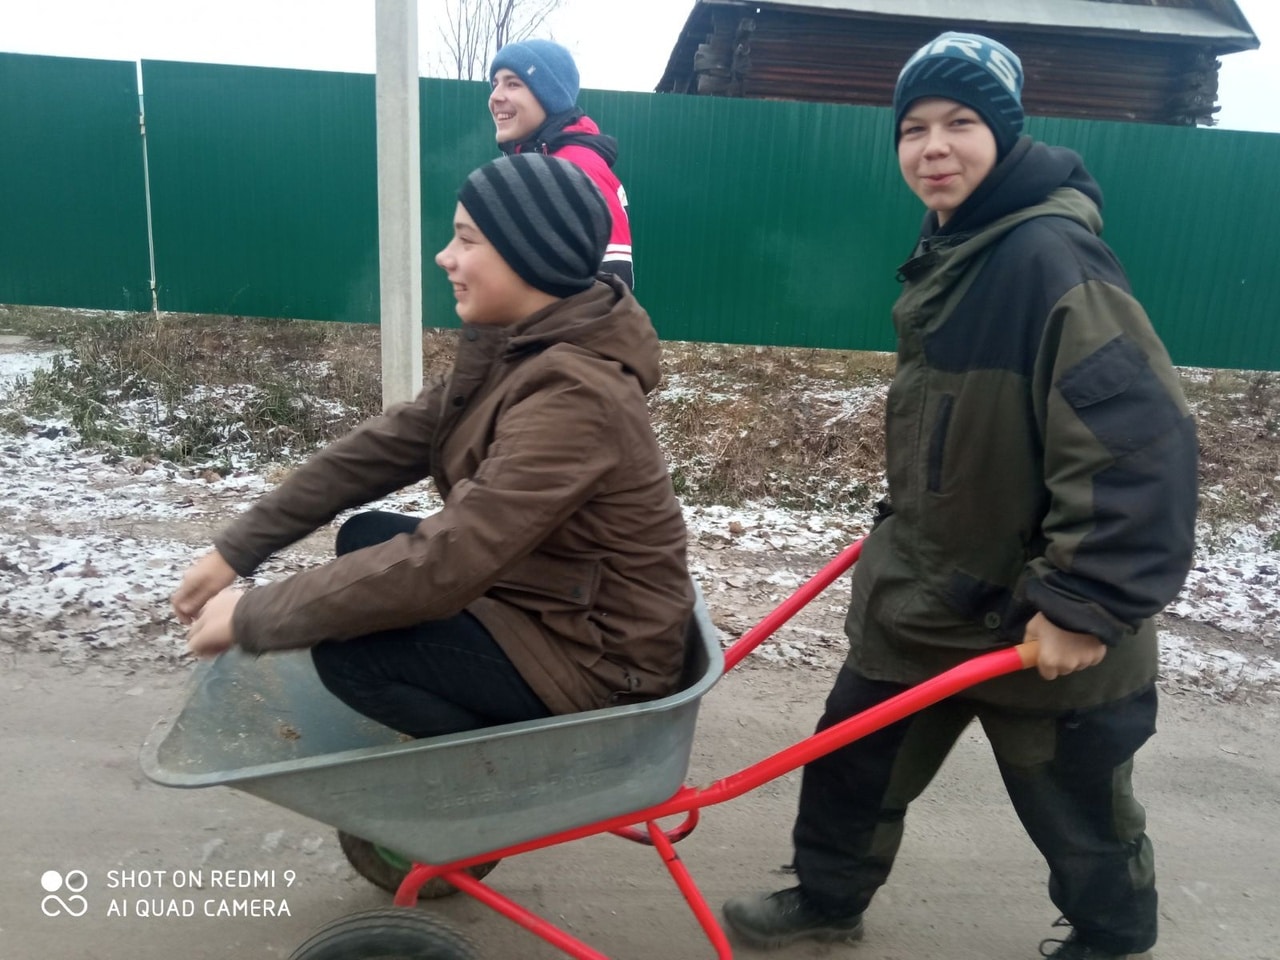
[(566, 943), (697, 902)]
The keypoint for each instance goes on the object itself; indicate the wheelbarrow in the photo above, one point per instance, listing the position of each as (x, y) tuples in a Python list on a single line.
[(430, 817)]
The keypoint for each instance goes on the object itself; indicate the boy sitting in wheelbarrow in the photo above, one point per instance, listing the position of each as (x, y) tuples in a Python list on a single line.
[(554, 579), (1042, 475)]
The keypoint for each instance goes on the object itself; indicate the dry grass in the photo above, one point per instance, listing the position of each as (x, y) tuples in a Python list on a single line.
[(802, 428), (1238, 419), (309, 381), (798, 427)]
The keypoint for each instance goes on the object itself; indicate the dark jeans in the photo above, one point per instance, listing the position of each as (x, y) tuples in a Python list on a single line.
[(437, 677), (1069, 778)]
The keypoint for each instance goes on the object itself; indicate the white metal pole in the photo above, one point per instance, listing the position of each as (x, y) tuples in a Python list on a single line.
[(399, 200)]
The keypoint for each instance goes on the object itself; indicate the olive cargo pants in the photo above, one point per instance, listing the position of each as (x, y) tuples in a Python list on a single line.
[(1068, 776)]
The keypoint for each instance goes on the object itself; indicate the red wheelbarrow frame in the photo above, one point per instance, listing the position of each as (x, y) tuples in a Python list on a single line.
[(690, 800)]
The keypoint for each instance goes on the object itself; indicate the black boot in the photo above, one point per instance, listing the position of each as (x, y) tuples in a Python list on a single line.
[(776, 919), (1073, 948)]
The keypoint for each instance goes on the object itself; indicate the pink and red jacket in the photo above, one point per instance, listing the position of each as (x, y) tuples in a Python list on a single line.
[(573, 136)]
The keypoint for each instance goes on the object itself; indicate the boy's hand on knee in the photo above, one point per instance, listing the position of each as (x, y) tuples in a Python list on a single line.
[(1063, 651)]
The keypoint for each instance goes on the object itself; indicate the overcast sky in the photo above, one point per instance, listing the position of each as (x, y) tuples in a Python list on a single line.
[(619, 44)]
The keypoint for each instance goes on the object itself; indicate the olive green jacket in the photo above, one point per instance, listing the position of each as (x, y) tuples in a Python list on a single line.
[(1040, 453)]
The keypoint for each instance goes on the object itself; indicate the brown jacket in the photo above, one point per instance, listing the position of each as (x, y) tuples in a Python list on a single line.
[(560, 529)]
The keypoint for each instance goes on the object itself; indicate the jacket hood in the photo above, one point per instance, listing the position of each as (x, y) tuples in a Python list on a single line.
[(605, 320), (1022, 180), (1034, 180), (571, 128)]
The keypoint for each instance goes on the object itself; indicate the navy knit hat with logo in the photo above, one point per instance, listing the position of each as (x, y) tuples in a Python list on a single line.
[(546, 68), (970, 69), (544, 216)]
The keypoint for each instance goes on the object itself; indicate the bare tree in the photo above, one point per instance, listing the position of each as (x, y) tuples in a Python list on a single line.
[(466, 39), (474, 30)]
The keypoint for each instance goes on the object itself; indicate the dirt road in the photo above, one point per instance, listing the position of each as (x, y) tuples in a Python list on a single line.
[(969, 885)]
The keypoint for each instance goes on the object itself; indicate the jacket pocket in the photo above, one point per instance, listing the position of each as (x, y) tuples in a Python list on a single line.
[(1093, 742), (1119, 398), (992, 605), (938, 442), (560, 583)]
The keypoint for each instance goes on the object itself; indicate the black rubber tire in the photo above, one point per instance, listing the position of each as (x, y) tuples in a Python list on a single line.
[(371, 864), (395, 933)]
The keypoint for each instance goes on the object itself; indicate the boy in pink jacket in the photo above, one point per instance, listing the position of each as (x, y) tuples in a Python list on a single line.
[(534, 107)]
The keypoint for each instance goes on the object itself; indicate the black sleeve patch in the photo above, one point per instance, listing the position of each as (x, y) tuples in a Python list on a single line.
[(1119, 398)]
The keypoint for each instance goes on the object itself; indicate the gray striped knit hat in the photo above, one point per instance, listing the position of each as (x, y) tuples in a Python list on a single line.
[(971, 69), (544, 216)]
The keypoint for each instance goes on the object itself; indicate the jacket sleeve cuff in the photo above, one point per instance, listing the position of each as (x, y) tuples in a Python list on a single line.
[(242, 632), (242, 561), (1077, 615), (248, 629)]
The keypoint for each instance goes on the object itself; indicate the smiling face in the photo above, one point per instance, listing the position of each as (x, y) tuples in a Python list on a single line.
[(487, 291), (516, 111), (945, 151)]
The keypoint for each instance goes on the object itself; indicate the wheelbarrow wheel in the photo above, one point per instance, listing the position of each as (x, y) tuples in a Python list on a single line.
[(388, 932), (387, 869)]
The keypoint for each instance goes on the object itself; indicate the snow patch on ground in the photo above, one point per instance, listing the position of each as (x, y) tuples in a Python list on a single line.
[(761, 528), (79, 572), (1188, 664), (15, 364), (1237, 586)]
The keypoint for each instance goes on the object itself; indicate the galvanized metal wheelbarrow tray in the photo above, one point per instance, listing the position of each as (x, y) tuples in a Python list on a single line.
[(267, 726)]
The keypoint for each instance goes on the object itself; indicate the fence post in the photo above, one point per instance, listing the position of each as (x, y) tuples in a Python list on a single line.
[(399, 199)]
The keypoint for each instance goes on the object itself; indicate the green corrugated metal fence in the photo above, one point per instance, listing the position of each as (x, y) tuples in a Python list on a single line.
[(754, 222), (1192, 214), (264, 190), (73, 215), (762, 222)]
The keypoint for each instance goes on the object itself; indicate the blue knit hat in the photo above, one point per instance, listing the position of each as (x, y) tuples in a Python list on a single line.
[(545, 67), (970, 69)]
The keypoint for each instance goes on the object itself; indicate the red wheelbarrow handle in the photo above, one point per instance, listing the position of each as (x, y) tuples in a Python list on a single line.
[(986, 666), (745, 644), (788, 608)]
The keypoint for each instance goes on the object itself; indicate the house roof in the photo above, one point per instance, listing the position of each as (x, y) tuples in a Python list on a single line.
[(1218, 25), (1146, 61)]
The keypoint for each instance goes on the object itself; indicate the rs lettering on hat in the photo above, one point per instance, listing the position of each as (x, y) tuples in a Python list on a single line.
[(973, 48)]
